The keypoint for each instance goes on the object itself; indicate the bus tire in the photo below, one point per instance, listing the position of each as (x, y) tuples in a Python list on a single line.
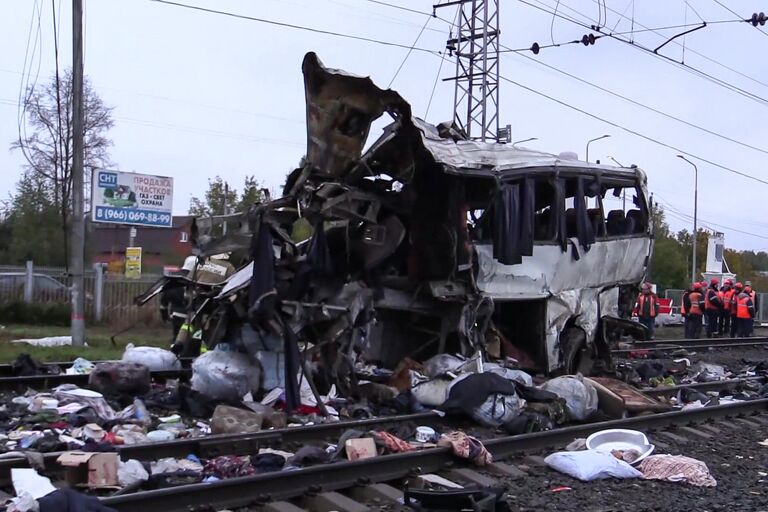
[(578, 356)]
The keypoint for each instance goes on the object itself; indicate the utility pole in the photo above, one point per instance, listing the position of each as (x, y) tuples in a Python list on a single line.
[(77, 229), (476, 48)]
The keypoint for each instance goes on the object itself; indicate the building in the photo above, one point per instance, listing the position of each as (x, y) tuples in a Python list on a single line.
[(161, 247)]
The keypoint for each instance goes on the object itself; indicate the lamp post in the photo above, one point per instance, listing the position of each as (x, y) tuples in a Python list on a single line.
[(524, 140), (593, 140), (623, 192), (695, 212)]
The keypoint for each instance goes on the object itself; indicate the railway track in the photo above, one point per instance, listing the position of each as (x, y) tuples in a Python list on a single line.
[(664, 346), (7, 370), (364, 477), (41, 382)]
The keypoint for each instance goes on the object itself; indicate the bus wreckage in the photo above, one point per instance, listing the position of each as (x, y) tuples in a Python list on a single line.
[(425, 243)]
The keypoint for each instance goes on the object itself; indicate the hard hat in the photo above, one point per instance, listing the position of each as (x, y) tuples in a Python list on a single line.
[(748, 283), (646, 286), (747, 288), (729, 282), (714, 280), (697, 286), (189, 263), (739, 285)]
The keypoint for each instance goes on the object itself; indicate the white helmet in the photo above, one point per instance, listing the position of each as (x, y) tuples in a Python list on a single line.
[(189, 263)]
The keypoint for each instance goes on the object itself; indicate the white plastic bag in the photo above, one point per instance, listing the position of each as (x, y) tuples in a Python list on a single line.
[(442, 363), (509, 373), (225, 375), (131, 472), (498, 409), (154, 358), (588, 465), (429, 392), (580, 397)]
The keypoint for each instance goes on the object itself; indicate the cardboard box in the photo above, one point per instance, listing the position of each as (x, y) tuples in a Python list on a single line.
[(90, 469), (363, 448)]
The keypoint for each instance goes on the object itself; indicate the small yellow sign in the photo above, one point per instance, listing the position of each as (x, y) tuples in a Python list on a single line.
[(133, 262)]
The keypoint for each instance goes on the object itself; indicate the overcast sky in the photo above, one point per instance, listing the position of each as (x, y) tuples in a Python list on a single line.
[(197, 95)]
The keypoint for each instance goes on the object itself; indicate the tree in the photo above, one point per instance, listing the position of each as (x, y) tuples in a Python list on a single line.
[(32, 225), (220, 199), (668, 265), (47, 145)]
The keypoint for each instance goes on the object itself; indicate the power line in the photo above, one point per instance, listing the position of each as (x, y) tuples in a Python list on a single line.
[(737, 15), (410, 50), (633, 132), (295, 27), (680, 215), (664, 58), (642, 105)]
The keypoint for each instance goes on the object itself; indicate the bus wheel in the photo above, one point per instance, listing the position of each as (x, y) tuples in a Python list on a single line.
[(578, 357)]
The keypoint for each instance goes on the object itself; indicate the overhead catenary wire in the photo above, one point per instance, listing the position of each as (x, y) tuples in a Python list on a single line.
[(634, 132), (686, 67), (641, 105), (738, 15), (410, 50), (294, 26)]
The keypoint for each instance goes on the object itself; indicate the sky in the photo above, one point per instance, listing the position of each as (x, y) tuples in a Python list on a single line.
[(198, 95)]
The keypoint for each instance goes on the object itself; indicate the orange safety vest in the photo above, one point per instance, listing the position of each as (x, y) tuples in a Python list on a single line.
[(682, 302), (641, 302), (695, 298), (726, 298), (707, 303), (742, 308)]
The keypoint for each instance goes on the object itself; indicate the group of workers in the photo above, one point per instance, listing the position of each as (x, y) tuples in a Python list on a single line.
[(729, 309)]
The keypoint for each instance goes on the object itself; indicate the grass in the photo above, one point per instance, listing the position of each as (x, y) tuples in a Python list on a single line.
[(98, 338)]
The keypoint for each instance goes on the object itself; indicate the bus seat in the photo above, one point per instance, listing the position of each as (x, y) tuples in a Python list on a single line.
[(596, 218), (570, 223), (616, 223), (635, 221), (541, 227)]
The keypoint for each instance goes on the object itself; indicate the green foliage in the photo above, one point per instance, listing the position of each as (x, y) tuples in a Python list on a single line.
[(35, 314), (220, 199)]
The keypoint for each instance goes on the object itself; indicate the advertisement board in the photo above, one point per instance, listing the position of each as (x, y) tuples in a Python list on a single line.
[(133, 262), (131, 198)]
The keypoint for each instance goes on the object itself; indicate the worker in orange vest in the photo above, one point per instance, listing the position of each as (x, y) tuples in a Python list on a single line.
[(726, 295), (693, 304), (647, 308), (737, 289), (752, 295), (712, 307), (745, 313)]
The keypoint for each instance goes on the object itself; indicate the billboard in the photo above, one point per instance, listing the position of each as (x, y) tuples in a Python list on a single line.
[(131, 198)]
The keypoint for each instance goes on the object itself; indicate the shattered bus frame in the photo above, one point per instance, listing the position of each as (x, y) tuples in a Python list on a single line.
[(427, 243)]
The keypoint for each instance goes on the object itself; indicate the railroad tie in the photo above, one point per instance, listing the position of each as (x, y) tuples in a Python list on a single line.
[(762, 420), (709, 428), (281, 506), (471, 477), (696, 432), (674, 437), (748, 422), (333, 501), (377, 492), (507, 470)]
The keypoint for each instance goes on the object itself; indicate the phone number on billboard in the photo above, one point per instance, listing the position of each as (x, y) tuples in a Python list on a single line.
[(132, 216)]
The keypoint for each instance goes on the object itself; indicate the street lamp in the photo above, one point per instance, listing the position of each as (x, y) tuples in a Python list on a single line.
[(593, 140), (695, 212), (524, 140), (624, 191)]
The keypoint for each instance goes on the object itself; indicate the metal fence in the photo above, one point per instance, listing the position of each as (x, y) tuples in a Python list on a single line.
[(108, 298), (761, 312)]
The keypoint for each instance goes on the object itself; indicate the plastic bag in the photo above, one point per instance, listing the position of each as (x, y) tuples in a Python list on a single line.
[(498, 409), (154, 358), (509, 373), (131, 472), (588, 465), (429, 392), (442, 363), (580, 397), (225, 375), (80, 366)]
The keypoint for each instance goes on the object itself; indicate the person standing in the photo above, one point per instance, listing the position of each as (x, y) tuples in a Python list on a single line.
[(745, 313), (726, 296), (694, 309), (712, 307), (647, 308), (752, 295), (737, 289)]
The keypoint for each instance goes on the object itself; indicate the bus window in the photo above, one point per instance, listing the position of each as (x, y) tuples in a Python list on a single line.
[(626, 214), (544, 221)]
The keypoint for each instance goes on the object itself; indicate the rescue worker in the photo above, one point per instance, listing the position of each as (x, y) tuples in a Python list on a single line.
[(694, 309), (712, 307), (647, 308), (745, 313), (737, 289), (753, 296), (726, 295)]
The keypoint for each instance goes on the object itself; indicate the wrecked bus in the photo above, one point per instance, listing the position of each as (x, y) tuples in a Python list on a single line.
[(424, 243)]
